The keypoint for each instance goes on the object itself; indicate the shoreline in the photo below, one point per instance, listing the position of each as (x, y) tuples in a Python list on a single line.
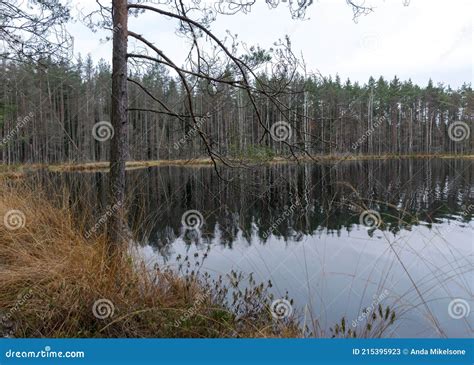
[(18, 171), (87, 287)]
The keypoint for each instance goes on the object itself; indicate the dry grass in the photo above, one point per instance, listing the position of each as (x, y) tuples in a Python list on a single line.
[(51, 276)]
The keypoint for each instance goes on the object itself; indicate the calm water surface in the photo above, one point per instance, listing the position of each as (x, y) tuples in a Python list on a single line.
[(300, 226)]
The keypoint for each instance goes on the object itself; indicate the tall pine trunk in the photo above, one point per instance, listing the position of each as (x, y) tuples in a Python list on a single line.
[(119, 142)]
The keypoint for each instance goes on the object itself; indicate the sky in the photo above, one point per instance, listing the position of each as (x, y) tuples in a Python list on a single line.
[(417, 39)]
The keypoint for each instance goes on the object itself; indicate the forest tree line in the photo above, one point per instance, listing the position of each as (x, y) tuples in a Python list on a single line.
[(52, 114)]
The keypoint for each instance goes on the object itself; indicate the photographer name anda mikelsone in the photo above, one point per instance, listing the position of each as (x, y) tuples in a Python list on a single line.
[(437, 351)]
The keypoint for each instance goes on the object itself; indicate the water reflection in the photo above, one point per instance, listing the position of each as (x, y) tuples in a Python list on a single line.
[(300, 226)]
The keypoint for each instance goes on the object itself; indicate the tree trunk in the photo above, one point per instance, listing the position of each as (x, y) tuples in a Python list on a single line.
[(119, 142)]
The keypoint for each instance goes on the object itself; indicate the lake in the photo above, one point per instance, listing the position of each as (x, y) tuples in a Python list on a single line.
[(337, 238)]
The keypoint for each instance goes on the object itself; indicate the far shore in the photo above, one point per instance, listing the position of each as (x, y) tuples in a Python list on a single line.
[(18, 171)]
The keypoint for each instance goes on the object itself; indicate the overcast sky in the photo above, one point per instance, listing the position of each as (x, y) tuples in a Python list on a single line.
[(415, 39)]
